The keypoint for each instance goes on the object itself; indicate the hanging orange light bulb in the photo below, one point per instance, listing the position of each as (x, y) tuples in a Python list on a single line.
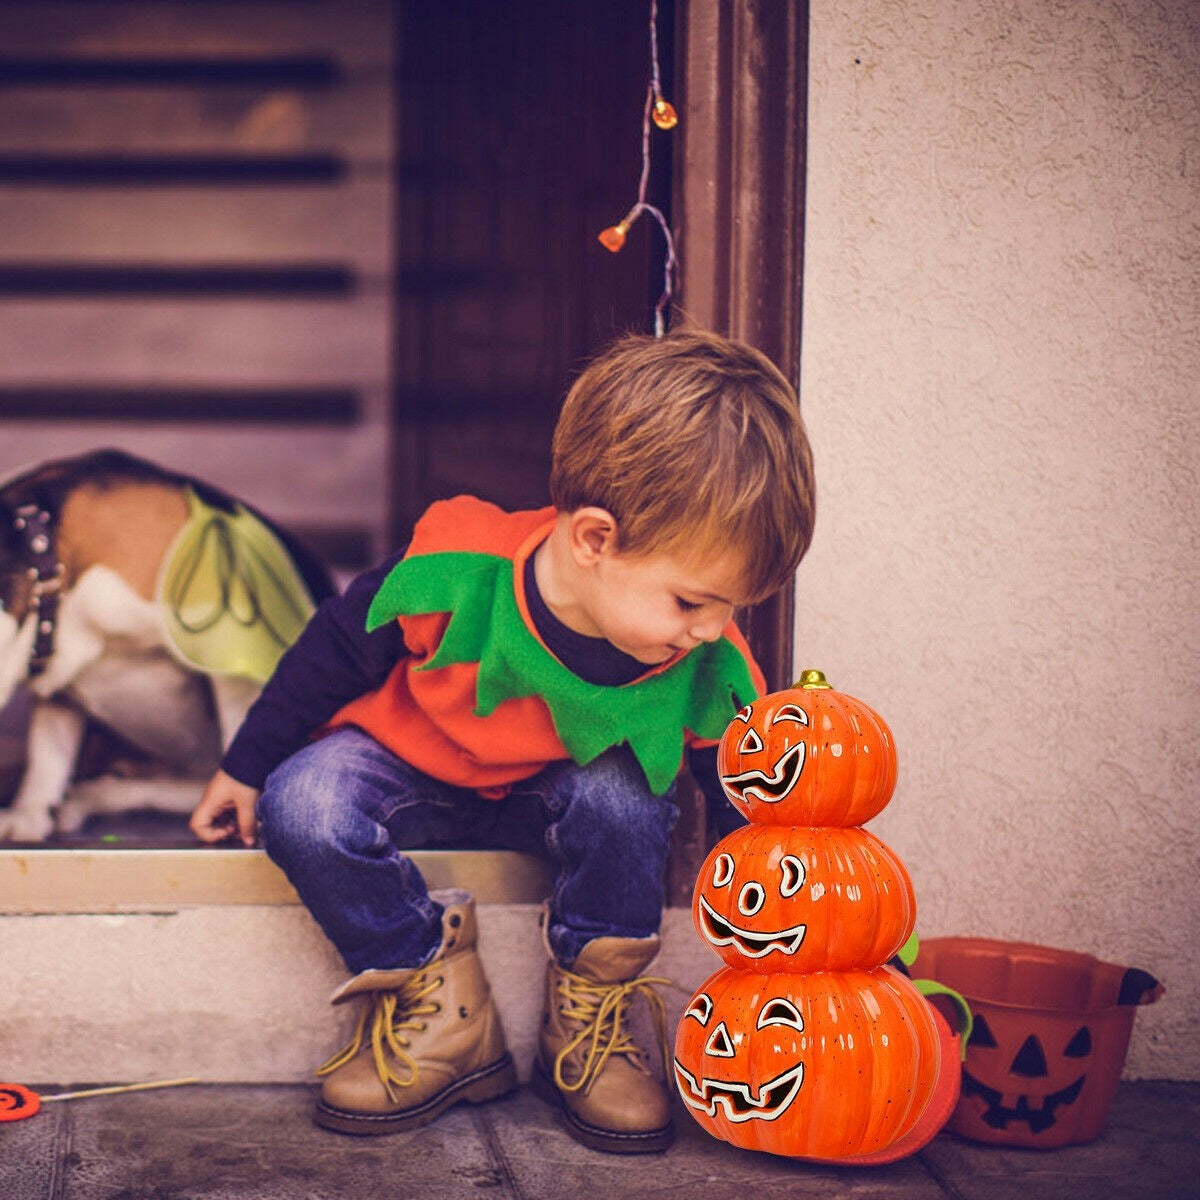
[(658, 112), (664, 114), (613, 238)]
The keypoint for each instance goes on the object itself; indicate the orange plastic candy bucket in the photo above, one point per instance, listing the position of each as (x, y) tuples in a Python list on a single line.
[(1051, 1029)]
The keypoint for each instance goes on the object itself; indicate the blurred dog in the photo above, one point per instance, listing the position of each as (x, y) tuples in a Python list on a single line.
[(146, 602)]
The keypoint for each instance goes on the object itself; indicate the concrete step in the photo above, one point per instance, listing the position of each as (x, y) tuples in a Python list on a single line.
[(143, 964)]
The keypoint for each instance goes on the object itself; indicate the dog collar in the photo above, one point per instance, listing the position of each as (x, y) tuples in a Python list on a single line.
[(33, 524)]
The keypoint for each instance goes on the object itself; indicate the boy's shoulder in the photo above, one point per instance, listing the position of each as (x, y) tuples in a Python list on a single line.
[(466, 524)]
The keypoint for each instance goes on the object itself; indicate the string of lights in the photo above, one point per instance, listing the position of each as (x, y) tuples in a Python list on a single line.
[(659, 113)]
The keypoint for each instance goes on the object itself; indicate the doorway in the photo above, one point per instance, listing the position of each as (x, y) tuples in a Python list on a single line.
[(519, 139), (345, 260)]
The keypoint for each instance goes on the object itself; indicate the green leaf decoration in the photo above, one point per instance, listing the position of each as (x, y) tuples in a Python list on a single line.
[(700, 692)]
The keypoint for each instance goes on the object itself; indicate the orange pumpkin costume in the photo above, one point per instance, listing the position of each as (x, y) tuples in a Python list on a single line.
[(482, 703)]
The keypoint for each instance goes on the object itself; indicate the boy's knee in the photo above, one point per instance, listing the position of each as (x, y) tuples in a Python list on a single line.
[(301, 800), (284, 810), (287, 787), (611, 792)]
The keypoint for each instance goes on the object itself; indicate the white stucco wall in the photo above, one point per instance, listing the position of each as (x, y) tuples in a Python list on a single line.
[(1001, 375)]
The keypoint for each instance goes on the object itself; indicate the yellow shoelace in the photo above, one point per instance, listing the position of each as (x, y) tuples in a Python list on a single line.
[(389, 1014), (600, 1008)]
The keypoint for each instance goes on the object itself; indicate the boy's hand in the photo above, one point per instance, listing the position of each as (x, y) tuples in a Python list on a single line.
[(226, 810)]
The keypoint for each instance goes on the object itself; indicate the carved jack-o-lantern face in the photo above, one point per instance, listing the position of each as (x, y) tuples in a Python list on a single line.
[(1039, 1079), (821, 1065), (734, 1098), (1047, 1045), (803, 899), (808, 755)]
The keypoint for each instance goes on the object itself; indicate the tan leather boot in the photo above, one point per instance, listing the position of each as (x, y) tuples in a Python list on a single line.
[(427, 1037), (588, 1063)]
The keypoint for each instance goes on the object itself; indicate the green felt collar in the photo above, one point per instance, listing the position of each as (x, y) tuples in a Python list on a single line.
[(700, 692)]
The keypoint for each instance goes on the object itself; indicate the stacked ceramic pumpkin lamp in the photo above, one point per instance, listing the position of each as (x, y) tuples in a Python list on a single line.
[(806, 1043)]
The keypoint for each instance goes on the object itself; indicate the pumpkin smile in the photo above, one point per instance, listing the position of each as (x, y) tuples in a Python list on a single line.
[(774, 787), (720, 932), (736, 1098), (1038, 1119)]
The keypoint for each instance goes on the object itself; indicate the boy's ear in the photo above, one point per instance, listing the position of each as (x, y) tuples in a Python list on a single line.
[(591, 534)]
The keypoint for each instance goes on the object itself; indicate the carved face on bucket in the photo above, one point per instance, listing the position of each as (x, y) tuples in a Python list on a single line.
[(1024, 1082), (715, 1089)]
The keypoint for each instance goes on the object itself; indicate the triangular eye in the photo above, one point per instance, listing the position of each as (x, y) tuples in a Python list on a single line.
[(780, 1012), (720, 1045), (700, 1008), (790, 712), (793, 875), (1080, 1046), (722, 870), (751, 743), (1030, 1060), (981, 1034)]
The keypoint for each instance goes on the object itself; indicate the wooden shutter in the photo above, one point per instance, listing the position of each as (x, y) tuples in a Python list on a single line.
[(195, 264)]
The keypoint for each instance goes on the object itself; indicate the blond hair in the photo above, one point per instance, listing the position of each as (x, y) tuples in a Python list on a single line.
[(695, 444)]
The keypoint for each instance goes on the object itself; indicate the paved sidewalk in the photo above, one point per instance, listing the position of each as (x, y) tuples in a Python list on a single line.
[(227, 1142)]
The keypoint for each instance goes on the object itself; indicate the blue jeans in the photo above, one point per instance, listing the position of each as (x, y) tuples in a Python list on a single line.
[(338, 815)]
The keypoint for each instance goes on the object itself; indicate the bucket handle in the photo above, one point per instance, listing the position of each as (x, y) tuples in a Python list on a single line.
[(930, 987), (907, 955), (1139, 987)]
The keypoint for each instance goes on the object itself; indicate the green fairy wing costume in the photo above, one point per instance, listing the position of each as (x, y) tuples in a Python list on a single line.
[(232, 598)]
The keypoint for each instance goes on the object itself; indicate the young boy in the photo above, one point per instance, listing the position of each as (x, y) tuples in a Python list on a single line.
[(529, 680)]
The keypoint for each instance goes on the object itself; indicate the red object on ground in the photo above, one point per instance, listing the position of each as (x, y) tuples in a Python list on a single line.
[(937, 1112), (18, 1102)]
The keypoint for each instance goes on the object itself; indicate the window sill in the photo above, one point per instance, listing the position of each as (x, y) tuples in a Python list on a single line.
[(111, 880)]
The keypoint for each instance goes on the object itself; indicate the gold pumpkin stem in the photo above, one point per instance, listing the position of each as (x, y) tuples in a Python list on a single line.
[(811, 680)]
